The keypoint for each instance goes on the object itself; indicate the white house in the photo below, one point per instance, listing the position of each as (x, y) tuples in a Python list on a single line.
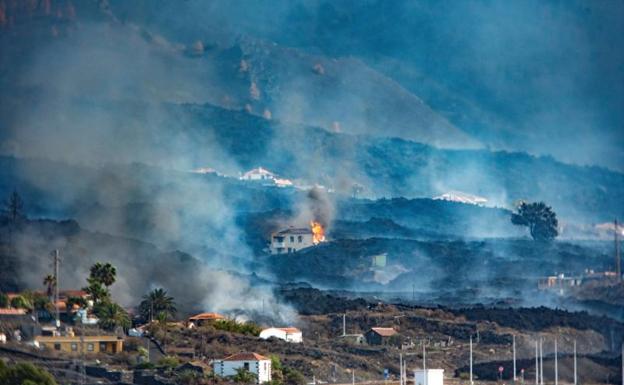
[(258, 174), (286, 334), (252, 362), (291, 240), (429, 377), (462, 197)]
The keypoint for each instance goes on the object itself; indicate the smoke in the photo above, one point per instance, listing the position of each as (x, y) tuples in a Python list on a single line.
[(105, 95), (105, 102)]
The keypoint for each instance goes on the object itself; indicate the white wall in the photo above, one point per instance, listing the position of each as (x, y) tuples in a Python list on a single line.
[(433, 377), (294, 244), (282, 335), (262, 369)]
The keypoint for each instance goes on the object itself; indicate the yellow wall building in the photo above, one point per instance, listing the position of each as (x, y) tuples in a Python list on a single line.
[(92, 344)]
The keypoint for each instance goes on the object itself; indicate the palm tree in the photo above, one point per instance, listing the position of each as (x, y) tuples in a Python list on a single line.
[(244, 376), (155, 302), (97, 292), (112, 316), (104, 273), (50, 282)]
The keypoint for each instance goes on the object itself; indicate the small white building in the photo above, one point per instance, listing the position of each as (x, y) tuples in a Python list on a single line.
[(291, 240), (429, 377), (287, 334), (252, 362), (258, 174)]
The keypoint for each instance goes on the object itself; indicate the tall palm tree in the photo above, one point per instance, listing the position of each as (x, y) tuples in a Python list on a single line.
[(104, 273), (156, 302), (50, 282)]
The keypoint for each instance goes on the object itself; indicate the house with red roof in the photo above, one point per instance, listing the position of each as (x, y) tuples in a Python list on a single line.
[(203, 319), (379, 336), (254, 363)]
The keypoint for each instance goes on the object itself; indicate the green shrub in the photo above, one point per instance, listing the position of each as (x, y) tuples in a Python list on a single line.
[(228, 325), (4, 300), (24, 374), (20, 302), (168, 362)]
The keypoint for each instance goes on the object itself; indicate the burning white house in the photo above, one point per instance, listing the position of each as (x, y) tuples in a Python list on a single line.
[(293, 239)]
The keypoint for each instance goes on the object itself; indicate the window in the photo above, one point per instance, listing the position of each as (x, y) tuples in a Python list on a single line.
[(300, 238), (102, 346), (57, 346), (246, 366), (74, 346), (90, 347), (292, 238)]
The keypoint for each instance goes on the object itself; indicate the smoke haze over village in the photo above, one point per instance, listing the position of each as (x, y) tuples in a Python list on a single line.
[(281, 163)]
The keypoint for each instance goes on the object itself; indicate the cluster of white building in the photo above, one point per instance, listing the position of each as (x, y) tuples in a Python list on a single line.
[(257, 364)]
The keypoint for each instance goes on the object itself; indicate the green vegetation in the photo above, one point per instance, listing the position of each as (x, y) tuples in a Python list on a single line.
[(281, 375), (156, 302), (24, 374), (168, 362), (101, 277), (50, 283), (4, 300), (228, 325), (243, 376), (81, 302), (103, 273), (539, 218), (21, 302), (111, 316), (41, 302)]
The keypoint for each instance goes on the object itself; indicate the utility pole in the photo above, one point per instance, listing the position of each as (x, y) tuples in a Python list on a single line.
[(536, 364), (344, 324), (401, 368), (556, 364), (575, 363), (513, 336), (471, 382), (353, 377), (618, 261), (541, 352), (425, 364), (57, 260), (83, 373)]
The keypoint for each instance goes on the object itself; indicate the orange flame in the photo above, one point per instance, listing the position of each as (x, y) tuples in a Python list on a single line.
[(318, 232)]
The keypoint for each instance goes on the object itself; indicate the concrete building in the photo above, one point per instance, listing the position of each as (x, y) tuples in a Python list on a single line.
[(287, 334), (559, 283), (379, 336), (291, 240), (429, 377), (252, 362), (71, 344)]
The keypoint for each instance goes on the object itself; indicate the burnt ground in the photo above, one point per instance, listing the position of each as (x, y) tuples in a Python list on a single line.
[(444, 332)]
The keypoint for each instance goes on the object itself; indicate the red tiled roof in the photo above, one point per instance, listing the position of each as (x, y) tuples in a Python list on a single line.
[(206, 316), (245, 356), (290, 330), (73, 293), (11, 311), (384, 332)]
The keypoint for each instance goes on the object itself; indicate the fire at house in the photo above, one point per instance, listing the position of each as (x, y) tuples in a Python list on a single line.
[(296, 238)]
